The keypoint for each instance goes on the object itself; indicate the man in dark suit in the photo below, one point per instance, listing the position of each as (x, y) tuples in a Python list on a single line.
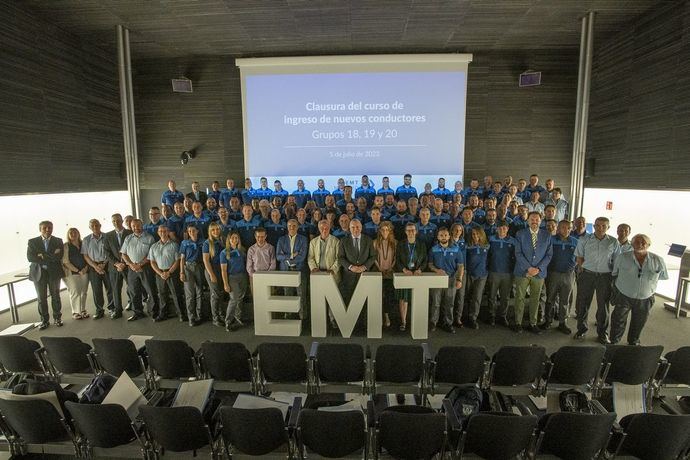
[(197, 194), (533, 252), (45, 254), (356, 255), (117, 269)]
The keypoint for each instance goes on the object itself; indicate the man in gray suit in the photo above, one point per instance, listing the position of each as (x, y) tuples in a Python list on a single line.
[(45, 254), (356, 255), (117, 268)]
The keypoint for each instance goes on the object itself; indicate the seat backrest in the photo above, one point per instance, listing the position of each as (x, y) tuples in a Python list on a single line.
[(413, 436), (227, 361), (283, 362), (576, 365), (632, 365), (679, 373), (253, 431), (103, 425), (340, 362), (171, 359), (332, 434), (17, 354), (498, 435), (177, 429), (116, 356), (518, 365), (575, 436), (22, 416), (68, 354), (655, 436), (460, 365), (399, 363)]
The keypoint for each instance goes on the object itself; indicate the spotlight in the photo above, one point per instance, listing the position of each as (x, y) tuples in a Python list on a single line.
[(186, 156)]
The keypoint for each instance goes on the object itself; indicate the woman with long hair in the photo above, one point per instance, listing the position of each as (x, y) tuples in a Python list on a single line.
[(233, 266), (476, 266), (385, 245), (76, 274), (211, 250)]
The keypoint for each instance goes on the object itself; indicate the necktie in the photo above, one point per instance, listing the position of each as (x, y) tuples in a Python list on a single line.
[(534, 240), (119, 238), (357, 244), (45, 244)]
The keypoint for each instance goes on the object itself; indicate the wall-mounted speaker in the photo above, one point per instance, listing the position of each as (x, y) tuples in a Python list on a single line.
[(529, 78), (182, 85)]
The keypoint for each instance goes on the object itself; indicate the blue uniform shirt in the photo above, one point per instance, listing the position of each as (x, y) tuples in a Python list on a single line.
[(489, 229), (218, 247), (263, 193), (319, 196), (191, 250), (476, 261), (501, 254), (341, 204), (337, 194), (215, 195), (226, 228), (339, 233), (283, 194), (301, 197), (226, 194), (307, 229), (152, 228), (385, 191), (468, 228), (362, 217), (517, 225), (427, 233), (367, 193), (405, 193), (236, 261), (247, 195), (447, 259), (443, 193), (176, 225), (246, 231), (201, 223), (399, 222), (370, 229), (274, 231), (479, 216), (170, 198), (563, 259), (440, 220)]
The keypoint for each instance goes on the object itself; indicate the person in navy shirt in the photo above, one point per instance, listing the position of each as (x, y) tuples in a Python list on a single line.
[(501, 265), (330, 206), (201, 220), (560, 278), (246, 226), (275, 227), (215, 192), (233, 267), (279, 191), (519, 221), (478, 214), (426, 231), (211, 250), (385, 190), (497, 192), (343, 229), (371, 228), (457, 191), (445, 259), (490, 223), (155, 221), (580, 228), (263, 192), (441, 191), (247, 194), (211, 208), (172, 195), (476, 264), (468, 222), (522, 191), (176, 223), (406, 191), (502, 215), (339, 192), (362, 213), (457, 237), (535, 187), (192, 274), (229, 192), (427, 192), (226, 224), (235, 209), (347, 198), (400, 219), (389, 207), (305, 228), (473, 189), (319, 195), (301, 195), (366, 191)]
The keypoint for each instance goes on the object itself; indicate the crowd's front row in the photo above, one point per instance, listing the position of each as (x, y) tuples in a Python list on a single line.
[(541, 266)]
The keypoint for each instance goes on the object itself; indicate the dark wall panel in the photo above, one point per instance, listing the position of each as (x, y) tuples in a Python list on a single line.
[(639, 125), (510, 130), (60, 119)]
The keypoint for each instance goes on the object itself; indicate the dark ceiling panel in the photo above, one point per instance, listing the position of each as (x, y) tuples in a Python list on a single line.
[(166, 28)]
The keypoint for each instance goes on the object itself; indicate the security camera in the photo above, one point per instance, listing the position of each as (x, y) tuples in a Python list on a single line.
[(186, 156)]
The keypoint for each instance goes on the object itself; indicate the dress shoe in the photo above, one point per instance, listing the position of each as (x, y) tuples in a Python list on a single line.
[(448, 328), (58, 322), (116, 315), (193, 322), (602, 339), (135, 317), (129, 306), (579, 335), (564, 329), (517, 329), (472, 324), (534, 329), (44, 325), (98, 315), (458, 324), (545, 326), (234, 326)]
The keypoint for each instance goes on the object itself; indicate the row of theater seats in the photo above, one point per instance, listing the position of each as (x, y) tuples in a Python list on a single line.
[(349, 368)]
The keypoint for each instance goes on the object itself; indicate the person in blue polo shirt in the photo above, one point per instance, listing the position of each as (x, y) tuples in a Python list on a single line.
[(301, 195), (247, 194), (339, 192), (347, 198), (490, 223), (445, 259), (320, 193), (263, 192), (275, 227), (427, 192), (535, 187), (305, 227), (226, 224), (215, 191), (343, 228), (228, 192), (389, 207), (426, 231), (235, 209), (385, 189), (366, 191), (400, 219), (457, 190), (192, 273), (371, 228), (362, 212), (476, 264), (501, 265), (467, 222), (438, 217), (176, 222), (522, 191), (172, 195), (279, 191), (406, 191), (519, 221), (246, 226), (233, 268), (441, 191), (201, 220), (560, 278), (579, 228), (473, 189), (155, 221)]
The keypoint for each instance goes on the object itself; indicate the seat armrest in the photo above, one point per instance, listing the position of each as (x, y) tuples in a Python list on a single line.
[(294, 412), (427, 352), (451, 416), (314, 348), (371, 414)]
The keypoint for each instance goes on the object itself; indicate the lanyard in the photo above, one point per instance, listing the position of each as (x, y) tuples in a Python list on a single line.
[(411, 248)]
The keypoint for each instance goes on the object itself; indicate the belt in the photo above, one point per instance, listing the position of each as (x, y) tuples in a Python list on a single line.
[(595, 273), (193, 264)]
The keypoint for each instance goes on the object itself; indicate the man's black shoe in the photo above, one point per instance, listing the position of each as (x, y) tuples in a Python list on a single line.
[(534, 329), (44, 325), (564, 329), (579, 335), (98, 315), (58, 322), (517, 329), (448, 328), (602, 339), (116, 315), (136, 316), (545, 326)]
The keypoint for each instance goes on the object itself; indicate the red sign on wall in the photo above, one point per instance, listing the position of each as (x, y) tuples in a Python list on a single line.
[(609, 205)]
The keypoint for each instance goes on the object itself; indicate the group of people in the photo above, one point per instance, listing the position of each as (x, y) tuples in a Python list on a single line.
[(496, 240)]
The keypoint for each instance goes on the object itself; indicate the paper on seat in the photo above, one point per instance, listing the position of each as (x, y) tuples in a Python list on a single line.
[(628, 399), (193, 394), (127, 394)]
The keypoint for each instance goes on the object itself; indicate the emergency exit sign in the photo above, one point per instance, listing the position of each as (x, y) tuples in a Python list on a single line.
[(609, 205)]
